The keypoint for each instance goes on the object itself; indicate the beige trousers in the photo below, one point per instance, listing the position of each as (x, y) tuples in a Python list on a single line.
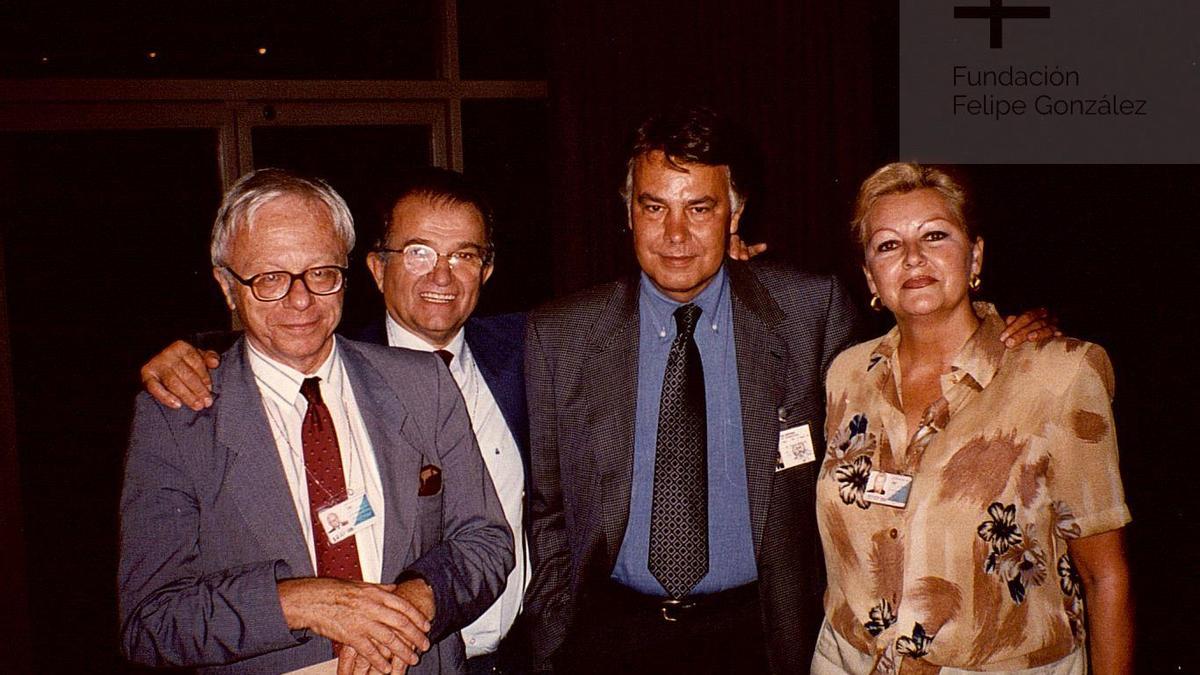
[(835, 656)]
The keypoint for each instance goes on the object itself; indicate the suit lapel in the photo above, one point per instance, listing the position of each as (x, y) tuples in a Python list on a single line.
[(610, 384), (256, 478), (762, 358), (501, 365), (384, 415)]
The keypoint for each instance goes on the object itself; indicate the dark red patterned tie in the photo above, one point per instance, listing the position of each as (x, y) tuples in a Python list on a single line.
[(326, 484), (445, 355)]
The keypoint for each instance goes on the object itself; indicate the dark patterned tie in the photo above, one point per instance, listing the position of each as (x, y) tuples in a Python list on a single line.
[(679, 515), (445, 356), (326, 484)]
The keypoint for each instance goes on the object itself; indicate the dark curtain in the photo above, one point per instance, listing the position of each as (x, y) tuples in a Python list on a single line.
[(14, 611), (816, 83), (809, 80)]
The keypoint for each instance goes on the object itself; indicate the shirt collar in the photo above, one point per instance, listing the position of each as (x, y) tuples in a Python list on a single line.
[(284, 380), (979, 357), (710, 301), (399, 336)]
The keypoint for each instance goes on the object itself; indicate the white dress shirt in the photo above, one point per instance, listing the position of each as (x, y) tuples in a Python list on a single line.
[(285, 407), (503, 461)]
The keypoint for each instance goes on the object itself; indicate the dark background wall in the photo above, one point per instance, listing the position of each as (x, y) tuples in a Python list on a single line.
[(809, 81), (1109, 249)]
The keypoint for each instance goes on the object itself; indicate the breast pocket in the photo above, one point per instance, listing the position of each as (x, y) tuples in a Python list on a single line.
[(429, 520)]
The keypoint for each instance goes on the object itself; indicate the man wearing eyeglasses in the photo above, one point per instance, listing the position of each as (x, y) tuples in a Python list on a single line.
[(432, 258), (431, 261), (318, 507)]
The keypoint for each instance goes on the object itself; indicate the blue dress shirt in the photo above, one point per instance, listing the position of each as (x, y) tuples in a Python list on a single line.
[(730, 546)]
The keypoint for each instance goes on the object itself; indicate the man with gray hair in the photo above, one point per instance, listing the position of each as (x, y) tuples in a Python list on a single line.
[(332, 500)]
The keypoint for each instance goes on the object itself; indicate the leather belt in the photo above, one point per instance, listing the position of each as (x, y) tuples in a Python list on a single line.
[(686, 608)]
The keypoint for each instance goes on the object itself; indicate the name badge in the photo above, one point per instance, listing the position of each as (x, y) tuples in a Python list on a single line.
[(795, 447), (888, 489), (348, 517)]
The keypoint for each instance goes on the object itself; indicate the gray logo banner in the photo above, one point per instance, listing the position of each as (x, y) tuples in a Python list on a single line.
[(1050, 81)]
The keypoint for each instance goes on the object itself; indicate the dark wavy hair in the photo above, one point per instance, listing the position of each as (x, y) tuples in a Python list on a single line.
[(690, 135)]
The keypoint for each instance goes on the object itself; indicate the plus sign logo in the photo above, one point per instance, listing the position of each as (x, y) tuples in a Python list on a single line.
[(996, 13)]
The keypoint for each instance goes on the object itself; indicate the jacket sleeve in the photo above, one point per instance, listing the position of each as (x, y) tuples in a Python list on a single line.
[(844, 325), (548, 601), (171, 614)]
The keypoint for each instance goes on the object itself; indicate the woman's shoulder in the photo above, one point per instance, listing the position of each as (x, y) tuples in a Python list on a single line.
[(1060, 361)]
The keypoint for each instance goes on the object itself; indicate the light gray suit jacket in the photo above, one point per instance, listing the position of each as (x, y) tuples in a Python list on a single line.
[(208, 524)]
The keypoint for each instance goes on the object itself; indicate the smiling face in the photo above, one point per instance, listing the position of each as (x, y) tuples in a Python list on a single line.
[(918, 258), (681, 222), (434, 305), (292, 234)]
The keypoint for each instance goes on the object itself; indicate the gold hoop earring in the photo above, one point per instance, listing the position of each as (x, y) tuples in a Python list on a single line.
[(876, 303), (974, 283)]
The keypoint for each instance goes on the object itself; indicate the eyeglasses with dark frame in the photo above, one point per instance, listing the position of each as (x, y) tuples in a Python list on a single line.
[(421, 258), (275, 285)]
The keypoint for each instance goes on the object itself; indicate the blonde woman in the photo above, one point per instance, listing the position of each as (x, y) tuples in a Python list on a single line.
[(1001, 509)]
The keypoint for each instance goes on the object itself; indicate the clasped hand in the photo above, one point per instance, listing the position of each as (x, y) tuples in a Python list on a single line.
[(382, 628)]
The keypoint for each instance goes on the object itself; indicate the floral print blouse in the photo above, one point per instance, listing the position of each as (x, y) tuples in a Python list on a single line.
[(1018, 457)]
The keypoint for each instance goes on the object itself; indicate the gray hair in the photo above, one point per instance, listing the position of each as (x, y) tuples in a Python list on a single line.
[(690, 134), (735, 197), (255, 189)]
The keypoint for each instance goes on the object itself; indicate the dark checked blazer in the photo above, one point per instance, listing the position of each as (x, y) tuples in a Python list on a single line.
[(581, 373)]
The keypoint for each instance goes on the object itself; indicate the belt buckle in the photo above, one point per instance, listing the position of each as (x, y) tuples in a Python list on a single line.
[(671, 606)]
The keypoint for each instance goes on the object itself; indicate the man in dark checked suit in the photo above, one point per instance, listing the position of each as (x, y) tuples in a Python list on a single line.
[(668, 532)]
